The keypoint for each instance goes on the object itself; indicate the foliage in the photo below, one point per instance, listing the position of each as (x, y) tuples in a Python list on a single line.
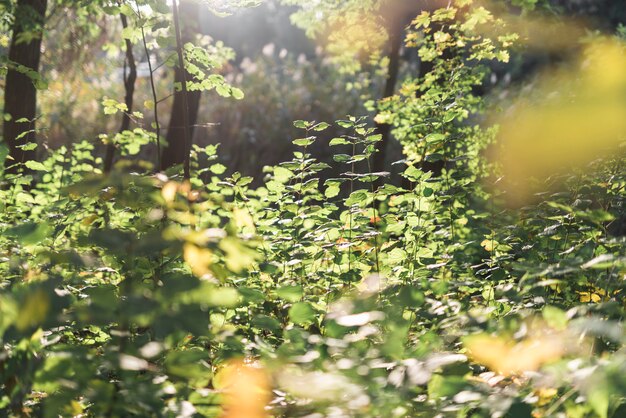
[(138, 294), (252, 132)]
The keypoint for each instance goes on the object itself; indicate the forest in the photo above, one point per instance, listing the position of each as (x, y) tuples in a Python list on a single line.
[(313, 208)]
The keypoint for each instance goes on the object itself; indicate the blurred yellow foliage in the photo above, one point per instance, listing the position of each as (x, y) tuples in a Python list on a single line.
[(596, 294), (33, 311), (198, 259), (243, 220), (576, 114), (508, 357), (172, 188), (354, 35), (545, 395), (246, 390), (169, 191), (532, 30)]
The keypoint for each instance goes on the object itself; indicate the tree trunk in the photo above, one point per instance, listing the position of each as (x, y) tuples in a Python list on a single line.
[(176, 149), (397, 15), (129, 88), (395, 40), (20, 94)]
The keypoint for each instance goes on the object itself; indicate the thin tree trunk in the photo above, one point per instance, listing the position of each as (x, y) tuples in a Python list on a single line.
[(129, 88), (20, 94), (186, 104)]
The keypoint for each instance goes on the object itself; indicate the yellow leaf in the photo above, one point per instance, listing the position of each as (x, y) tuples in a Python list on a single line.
[(33, 311), (75, 409), (243, 220), (383, 118), (488, 244), (545, 395), (89, 220), (508, 357), (198, 259), (246, 390), (169, 191), (587, 297)]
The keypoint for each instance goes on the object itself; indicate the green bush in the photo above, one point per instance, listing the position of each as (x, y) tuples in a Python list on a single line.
[(144, 294)]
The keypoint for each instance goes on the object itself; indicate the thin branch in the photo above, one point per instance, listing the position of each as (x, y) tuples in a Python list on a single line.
[(162, 99), (164, 62), (154, 95)]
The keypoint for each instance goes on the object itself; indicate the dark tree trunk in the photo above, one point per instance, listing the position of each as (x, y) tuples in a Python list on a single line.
[(177, 149), (397, 15), (129, 88), (20, 94), (395, 40)]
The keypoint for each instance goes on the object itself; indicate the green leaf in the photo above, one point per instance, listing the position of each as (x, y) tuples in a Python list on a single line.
[(413, 173), (321, 126), (396, 256), (266, 322), (125, 9), (302, 313), (555, 317), (237, 93), (433, 139), (598, 398), (223, 90), (341, 158), (290, 293), (111, 106), (218, 169), (30, 232), (238, 256), (28, 147), (189, 364), (35, 165), (445, 386), (222, 296), (282, 174), (345, 123), (520, 409), (332, 190), (357, 197), (411, 296), (338, 141), (304, 142), (4, 152), (132, 34), (251, 295), (372, 139)]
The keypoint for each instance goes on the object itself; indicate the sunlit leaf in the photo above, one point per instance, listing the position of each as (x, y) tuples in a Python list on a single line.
[(577, 117), (508, 357), (246, 390)]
